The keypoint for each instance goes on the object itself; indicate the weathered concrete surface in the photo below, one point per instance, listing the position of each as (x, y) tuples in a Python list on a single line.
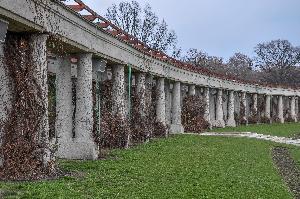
[(118, 93), (212, 106), (206, 95), (64, 108), (54, 17), (225, 106), (5, 96), (38, 43), (293, 108), (280, 109), (141, 92), (254, 101), (268, 106), (192, 90), (168, 102), (176, 126), (161, 102), (84, 140), (281, 140), (244, 104), (231, 120), (220, 123), (297, 108)]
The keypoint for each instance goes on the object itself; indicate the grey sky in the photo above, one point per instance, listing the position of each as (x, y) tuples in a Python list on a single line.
[(222, 27)]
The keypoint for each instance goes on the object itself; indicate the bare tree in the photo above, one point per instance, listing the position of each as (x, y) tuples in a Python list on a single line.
[(143, 24), (241, 65), (202, 59), (279, 61)]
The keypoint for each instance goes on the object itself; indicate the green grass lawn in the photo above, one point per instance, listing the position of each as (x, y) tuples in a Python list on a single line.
[(183, 166), (284, 130)]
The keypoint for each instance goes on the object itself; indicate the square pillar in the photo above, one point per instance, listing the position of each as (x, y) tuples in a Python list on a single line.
[(176, 126)]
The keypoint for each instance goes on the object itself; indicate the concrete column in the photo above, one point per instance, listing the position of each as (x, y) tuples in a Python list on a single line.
[(297, 108), (280, 109), (254, 98), (141, 91), (148, 92), (168, 103), (293, 108), (118, 93), (231, 120), (192, 90), (84, 140), (219, 110), (99, 75), (39, 60), (206, 95), (64, 109), (176, 126), (6, 96), (161, 101), (268, 107), (244, 103)]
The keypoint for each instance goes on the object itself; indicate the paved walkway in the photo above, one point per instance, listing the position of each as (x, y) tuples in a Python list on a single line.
[(282, 140)]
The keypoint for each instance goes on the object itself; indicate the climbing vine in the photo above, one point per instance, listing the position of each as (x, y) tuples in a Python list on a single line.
[(23, 147), (193, 114)]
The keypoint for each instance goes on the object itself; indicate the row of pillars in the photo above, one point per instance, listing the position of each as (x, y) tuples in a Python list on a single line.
[(79, 143)]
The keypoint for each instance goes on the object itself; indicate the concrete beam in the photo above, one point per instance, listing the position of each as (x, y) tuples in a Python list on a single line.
[(56, 18)]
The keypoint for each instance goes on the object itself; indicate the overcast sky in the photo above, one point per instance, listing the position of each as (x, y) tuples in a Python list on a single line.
[(223, 27)]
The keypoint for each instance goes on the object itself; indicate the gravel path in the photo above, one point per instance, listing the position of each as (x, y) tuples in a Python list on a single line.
[(282, 140), (288, 169)]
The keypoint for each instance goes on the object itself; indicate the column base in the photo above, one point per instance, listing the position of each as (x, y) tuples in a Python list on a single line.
[(231, 123), (220, 124), (176, 129), (76, 150)]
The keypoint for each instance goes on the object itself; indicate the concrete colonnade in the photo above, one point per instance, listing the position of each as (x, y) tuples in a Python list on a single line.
[(75, 132)]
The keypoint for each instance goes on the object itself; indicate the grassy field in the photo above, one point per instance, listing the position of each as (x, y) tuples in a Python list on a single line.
[(285, 130), (183, 166)]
